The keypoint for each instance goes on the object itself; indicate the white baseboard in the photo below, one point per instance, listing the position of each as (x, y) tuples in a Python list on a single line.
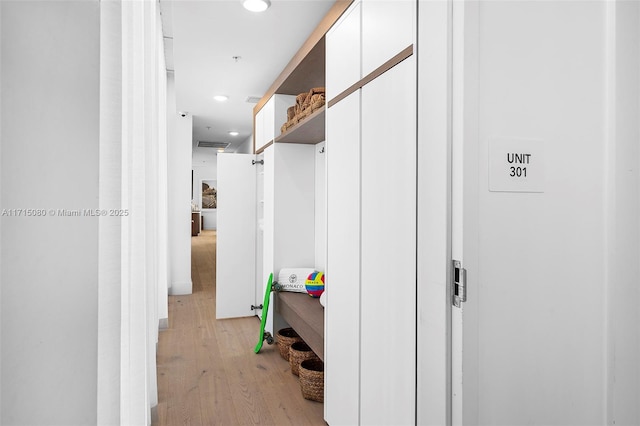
[(180, 289), (163, 324)]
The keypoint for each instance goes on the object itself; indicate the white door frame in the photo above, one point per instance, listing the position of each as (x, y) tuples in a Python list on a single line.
[(434, 51)]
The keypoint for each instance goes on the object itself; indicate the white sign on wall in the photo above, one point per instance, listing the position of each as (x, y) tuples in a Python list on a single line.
[(516, 165)]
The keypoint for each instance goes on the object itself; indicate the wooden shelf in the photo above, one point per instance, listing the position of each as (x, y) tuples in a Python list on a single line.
[(304, 71), (297, 76), (309, 131), (305, 315)]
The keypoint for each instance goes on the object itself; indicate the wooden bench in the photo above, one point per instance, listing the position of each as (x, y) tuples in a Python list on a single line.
[(305, 315)]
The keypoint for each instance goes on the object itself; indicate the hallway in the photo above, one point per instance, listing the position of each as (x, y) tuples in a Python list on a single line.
[(207, 371)]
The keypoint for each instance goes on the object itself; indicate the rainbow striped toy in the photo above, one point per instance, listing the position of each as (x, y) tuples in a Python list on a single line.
[(315, 284)]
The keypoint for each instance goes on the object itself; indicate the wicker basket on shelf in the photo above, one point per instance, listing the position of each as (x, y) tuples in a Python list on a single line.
[(298, 352), (291, 112), (301, 99), (312, 379), (285, 337), (306, 104), (316, 102)]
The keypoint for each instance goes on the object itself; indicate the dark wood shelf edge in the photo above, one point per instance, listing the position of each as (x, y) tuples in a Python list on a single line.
[(404, 54), (263, 147), (318, 33), (309, 131), (305, 315)]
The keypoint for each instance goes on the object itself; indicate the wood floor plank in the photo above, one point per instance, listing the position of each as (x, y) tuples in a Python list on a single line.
[(207, 371)]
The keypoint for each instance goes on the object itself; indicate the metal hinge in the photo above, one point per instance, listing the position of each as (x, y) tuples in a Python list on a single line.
[(254, 162), (458, 284)]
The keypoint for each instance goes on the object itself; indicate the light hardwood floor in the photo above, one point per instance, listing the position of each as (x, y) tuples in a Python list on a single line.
[(208, 373)]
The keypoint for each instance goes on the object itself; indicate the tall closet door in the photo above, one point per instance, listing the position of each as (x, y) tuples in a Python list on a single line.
[(343, 52), (388, 248), (235, 254), (342, 322), (397, 18)]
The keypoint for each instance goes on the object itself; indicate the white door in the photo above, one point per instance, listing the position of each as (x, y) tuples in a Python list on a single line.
[(342, 319), (388, 248), (235, 260), (535, 158)]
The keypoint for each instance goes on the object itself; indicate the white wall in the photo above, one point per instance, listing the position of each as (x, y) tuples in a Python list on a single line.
[(80, 326), (50, 160), (179, 137), (246, 147)]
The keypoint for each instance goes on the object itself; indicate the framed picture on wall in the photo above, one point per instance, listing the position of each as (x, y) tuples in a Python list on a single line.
[(209, 194)]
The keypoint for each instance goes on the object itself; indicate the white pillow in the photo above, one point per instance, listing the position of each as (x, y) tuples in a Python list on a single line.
[(293, 279)]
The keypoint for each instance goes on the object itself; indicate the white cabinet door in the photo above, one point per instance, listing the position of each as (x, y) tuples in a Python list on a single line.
[(342, 318), (235, 254), (388, 27), (343, 53), (259, 137), (388, 268), (268, 112)]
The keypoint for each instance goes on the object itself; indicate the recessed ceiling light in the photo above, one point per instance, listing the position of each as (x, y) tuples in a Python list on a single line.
[(234, 133), (220, 98), (256, 5)]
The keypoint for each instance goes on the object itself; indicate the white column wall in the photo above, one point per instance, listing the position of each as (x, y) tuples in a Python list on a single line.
[(162, 188), (50, 160), (179, 198), (94, 281), (172, 121)]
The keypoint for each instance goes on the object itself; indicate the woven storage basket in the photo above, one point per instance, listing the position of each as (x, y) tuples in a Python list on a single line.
[(291, 111), (303, 114), (298, 352), (317, 101), (312, 97), (301, 99), (285, 338), (312, 379)]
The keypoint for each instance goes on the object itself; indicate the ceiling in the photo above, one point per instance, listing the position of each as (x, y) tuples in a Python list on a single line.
[(202, 37)]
